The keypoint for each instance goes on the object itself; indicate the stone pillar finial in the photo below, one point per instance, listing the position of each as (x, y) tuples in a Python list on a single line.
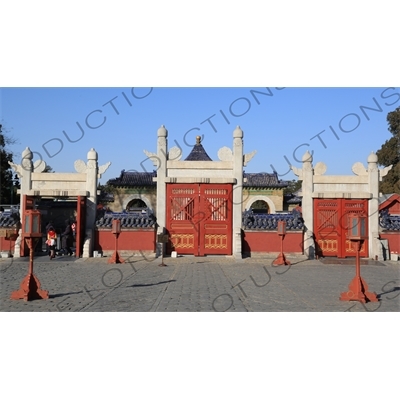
[(27, 154), (372, 158), (162, 131), (92, 154), (238, 133), (307, 157), (26, 161)]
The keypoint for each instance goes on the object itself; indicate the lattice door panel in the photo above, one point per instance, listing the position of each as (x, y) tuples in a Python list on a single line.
[(182, 207), (326, 221), (216, 227)]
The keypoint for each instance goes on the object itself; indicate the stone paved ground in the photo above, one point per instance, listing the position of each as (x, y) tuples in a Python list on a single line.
[(211, 284)]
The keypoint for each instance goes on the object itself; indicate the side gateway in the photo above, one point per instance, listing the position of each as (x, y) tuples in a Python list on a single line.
[(331, 227)]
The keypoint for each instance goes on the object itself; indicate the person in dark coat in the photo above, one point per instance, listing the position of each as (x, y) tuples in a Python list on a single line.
[(67, 238)]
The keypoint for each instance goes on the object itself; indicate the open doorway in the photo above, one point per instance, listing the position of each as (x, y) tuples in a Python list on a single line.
[(260, 207), (136, 205), (56, 211)]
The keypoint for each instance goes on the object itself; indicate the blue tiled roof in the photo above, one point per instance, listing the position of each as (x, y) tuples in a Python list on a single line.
[(293, 200), (106, 197), (128, 219), (128, 178), (250, 220), (8, 219), (389, 222), (263, 179), (198, 154)]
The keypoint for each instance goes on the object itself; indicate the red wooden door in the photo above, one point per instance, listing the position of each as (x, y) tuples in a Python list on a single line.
[(182, 218), (216, 226), (80, 225), (199, 219), (326, 227), (331, 227)]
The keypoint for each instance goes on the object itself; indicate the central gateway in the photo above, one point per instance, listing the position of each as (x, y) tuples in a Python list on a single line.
[(199, 201), (199, 218)]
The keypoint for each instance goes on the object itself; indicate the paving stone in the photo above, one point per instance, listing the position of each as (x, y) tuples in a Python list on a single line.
[(189, 284)]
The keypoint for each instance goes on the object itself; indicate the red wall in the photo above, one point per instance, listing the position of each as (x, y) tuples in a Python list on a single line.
[(393, 239), (270, 241), (129, 239), (7, 245), (252, 241)]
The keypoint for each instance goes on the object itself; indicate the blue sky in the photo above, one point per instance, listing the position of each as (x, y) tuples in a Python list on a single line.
[(280, 123)]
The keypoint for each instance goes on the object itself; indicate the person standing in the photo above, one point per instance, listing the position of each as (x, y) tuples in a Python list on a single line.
[(48, 227), (67, 238), (51, 241), (73, 227)]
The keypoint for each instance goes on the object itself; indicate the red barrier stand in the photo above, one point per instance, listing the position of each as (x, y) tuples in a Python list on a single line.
[(281, 259), (116, 230), (30, 286), (358, 288)]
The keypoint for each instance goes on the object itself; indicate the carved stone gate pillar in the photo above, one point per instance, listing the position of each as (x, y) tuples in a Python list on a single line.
[(237, 196), (306, 175), (373, 205), (91, 201), (308, 206), (162, 144)]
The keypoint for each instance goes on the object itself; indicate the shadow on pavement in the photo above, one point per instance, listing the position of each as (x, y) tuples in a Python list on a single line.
[(395, 289), (53, 296), (349, 261), (152, 284)]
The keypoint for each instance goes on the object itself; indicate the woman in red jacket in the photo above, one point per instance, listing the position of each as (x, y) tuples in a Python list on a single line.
[(51, 241)]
